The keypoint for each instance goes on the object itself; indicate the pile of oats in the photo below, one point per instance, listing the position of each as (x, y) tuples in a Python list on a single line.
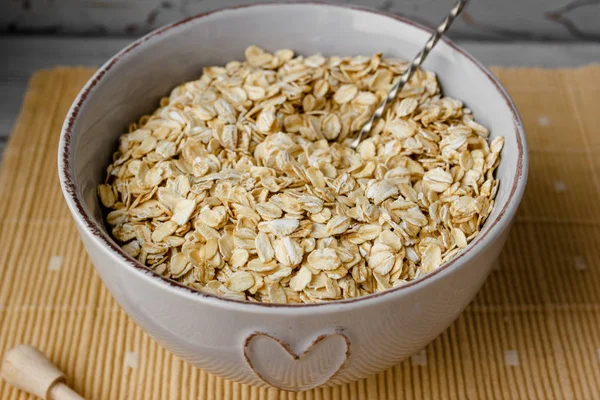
[(242, 184)]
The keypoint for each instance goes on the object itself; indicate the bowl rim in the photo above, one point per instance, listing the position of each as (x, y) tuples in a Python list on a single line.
[(91, 228)]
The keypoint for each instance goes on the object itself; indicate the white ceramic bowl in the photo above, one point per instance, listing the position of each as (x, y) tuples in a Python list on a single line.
[(291, 347)]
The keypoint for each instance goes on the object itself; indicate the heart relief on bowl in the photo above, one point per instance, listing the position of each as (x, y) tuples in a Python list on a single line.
[(242, 183)]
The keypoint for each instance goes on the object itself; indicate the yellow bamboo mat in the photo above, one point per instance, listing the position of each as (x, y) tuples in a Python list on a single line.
[(532, 332)]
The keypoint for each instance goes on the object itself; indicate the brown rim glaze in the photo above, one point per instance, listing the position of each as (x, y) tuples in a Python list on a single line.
[(297, 356), (70, 190)]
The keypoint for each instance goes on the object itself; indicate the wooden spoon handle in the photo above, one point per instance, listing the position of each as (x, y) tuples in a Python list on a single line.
[(60, 391), (28, 369)]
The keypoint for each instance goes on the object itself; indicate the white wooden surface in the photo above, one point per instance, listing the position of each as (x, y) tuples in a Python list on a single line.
[(21, 56)]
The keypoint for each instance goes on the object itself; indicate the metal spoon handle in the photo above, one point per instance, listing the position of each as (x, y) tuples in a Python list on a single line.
[(416, 63)]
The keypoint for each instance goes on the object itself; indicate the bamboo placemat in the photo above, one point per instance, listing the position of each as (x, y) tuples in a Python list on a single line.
[(532, 332)]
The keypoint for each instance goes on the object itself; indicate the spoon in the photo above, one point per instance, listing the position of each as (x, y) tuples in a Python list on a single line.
[(416, 63), (28, 369)]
